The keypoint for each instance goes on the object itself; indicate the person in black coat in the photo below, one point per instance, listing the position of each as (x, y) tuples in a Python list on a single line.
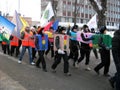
[(84, 49), (104, 53), (115, 80), (74, 45)]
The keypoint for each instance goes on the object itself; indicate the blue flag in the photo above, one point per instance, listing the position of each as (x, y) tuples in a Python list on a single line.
[(7, 25), (55, 25)]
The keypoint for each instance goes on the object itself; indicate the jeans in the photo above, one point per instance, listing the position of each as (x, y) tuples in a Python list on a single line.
[(23, 52)]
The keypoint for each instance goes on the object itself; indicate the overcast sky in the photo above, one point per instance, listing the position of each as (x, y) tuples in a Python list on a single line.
[(30, 8)]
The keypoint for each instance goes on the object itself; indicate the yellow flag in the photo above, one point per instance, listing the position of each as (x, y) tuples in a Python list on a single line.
[(24, 22)]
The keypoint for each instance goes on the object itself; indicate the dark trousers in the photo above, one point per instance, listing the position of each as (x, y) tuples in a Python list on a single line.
[(116, 58), (58, 60), (6, 49), (95, 53), (73, 52), (41, 59), (50, 47), (16, 49), (105, 61), (83, 53), (33, 53)]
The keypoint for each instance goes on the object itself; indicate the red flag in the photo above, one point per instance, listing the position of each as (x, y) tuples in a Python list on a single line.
[(47, 27)]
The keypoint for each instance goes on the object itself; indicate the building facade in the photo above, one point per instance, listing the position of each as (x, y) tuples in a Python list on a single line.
[(65, 11)]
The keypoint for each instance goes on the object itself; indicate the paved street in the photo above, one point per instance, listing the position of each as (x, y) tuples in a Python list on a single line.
[(14, 76)]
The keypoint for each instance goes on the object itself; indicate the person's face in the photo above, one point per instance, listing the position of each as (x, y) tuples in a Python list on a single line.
[(75, 30), (86, 29), (63, 31), (27, 29), (105, 31)]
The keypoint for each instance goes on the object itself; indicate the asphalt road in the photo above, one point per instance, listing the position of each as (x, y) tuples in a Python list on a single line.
[(14, 76)]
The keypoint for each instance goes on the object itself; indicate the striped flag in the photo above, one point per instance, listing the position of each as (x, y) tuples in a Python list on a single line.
[(24, 22), (47, 27)]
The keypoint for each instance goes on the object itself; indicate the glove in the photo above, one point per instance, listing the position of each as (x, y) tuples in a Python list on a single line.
[(61, 51)]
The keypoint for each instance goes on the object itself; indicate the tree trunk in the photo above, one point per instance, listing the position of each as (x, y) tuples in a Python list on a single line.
[(101, 19), (100, 12)]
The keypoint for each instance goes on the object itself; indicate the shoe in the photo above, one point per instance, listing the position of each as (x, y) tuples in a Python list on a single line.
[(88, 69), (68, 74), (76, 64), (44, 70), (53, 70), (111, 82), (32, 63), (38, 66), (19, 62), (97, 71)]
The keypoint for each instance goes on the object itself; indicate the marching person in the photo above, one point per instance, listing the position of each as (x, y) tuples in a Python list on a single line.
[(104, 53), (50, 42), (85, 48), (33, 33), (94, 49), (26, 44), (41, 43), (15, 44), (74, 44), (115, 80), (60, 53)]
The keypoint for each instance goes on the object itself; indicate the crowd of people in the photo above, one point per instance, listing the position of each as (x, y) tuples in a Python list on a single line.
[(63, 44)]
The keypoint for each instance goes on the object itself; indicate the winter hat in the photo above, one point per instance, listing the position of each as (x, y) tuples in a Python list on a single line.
[(61, 29), (74, 27), (102, 29)]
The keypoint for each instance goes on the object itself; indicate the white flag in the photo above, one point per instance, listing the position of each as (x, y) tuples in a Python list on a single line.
[(93, 22), (47, 15)]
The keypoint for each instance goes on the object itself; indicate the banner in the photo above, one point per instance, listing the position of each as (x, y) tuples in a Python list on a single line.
[(107, 40), (86, 35), (73, 36), (62, 41), (47, 15), (42, 42)]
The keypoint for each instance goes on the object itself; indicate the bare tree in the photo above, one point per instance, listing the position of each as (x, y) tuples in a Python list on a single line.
[(100, 6)]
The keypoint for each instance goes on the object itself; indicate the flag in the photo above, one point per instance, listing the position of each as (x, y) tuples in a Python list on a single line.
[(24, 22), (55, 25), (16, 20), (47, 27), (7, 28), (47, 15), (93, 22)]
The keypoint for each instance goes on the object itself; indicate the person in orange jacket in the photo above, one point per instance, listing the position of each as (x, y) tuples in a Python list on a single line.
[(33, 33), (15, 44), (5, 47), (26, 44)]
